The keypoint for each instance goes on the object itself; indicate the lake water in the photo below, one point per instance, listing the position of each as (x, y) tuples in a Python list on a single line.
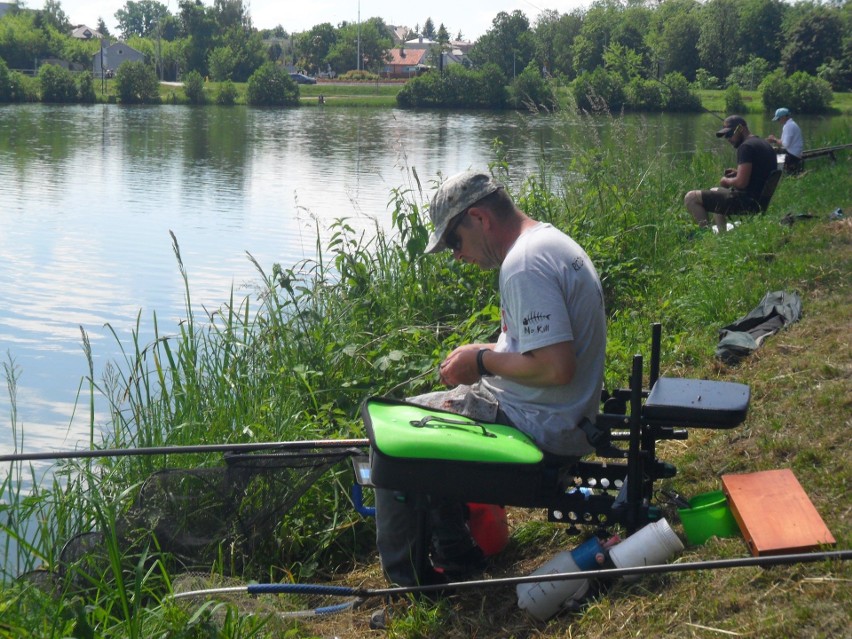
[(89, 194)]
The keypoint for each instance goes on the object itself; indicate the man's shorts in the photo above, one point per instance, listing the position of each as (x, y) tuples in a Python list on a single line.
[(728, 201)]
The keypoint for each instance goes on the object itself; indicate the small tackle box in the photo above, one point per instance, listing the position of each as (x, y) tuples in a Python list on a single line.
[(441, 453)]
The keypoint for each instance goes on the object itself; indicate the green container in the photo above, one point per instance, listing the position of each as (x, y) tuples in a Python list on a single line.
[(708, 516)]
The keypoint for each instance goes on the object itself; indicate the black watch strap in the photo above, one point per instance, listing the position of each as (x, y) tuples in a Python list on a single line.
[(480, 365)]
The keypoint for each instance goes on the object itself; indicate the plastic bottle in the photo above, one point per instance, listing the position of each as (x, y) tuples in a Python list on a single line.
[(544, 599)]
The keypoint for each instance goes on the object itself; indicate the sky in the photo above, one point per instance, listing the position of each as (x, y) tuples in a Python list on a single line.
[(472, 17)]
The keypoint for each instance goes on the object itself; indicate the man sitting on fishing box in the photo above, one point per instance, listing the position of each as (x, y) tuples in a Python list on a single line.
[(543, 376), (739, 189), (791, 141)]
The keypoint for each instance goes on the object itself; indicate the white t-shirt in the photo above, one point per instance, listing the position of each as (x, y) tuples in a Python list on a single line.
[(791, 138), (551, 293)]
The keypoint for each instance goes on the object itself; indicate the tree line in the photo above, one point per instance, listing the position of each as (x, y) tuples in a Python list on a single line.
[(622, 52)]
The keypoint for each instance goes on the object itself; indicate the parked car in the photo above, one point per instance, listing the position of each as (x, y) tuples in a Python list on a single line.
[(301, 78)]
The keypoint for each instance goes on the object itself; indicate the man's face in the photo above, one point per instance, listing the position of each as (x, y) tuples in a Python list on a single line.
[(736, 138)]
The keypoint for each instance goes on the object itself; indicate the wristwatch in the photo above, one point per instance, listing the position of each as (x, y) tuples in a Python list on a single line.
[(480, 365)]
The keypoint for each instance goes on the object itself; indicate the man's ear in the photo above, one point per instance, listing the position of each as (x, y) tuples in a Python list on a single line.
[(481, 215)]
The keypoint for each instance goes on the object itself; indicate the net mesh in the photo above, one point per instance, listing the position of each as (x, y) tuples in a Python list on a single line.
[(231, 516), (197, 515)]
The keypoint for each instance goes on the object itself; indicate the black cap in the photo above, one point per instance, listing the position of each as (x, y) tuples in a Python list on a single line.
[(731, 123)]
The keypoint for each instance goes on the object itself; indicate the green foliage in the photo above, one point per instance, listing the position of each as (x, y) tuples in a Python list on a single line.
[(359, 76), (86, 88), (800, 92), (680, 96), (193, 86), (600, 91), (16, 87), (270, 85), (706, 80), (734, 102), (509, 44), (226, 94), (644, 95), (221, 63), (532, 91), (458, 88), (57, 84), (749, 76), (136, 83)]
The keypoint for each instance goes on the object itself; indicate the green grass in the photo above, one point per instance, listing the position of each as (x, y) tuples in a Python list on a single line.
[(373, 316)]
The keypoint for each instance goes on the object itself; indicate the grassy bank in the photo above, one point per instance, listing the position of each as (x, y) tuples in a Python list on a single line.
[(372, 316)]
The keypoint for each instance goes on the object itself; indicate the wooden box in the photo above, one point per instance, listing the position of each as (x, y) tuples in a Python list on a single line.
[(774, 513)]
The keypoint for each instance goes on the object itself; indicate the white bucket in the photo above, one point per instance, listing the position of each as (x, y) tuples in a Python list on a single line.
[(652, 545), (543, 599)]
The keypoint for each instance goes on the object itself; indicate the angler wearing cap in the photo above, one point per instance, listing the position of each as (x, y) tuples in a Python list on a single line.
[(791, 140), (740, 188), (544, 374)]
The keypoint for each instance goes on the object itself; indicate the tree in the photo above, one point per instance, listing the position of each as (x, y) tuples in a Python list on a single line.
[(270, 85), (531, 91), (812, 40), (136, 83), (509, 44), (21, 42), (429, 29), (140, 18), (554, 37), (247, 49), (221, 63), (748, 76), (102, 28), (54, 16), (720, 21), (375, 44), (314, 45), (672, 38), (760, 29), (198, 25)]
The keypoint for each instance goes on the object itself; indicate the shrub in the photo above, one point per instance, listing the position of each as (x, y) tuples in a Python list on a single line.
[(680, 96), (86, 88), (705, 80), (801, 92), (227, 94), (193, 86), (136, 83), (734, 100), (5, 82), (531, 90), (359, 76), (600, 91), (644, 95), (458, 88), (270, 85), (809, 94), (57, 84)]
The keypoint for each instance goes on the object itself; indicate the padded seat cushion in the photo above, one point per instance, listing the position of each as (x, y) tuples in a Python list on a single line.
[(698, 403)]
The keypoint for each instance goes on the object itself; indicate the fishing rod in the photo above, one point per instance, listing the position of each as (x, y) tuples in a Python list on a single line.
[(354, 595), (174, 450)]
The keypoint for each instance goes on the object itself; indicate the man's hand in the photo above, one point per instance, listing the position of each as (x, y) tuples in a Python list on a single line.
[(460, 365), (730, 173)]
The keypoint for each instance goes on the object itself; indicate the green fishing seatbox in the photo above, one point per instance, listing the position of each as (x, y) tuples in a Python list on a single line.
[(414, 448)]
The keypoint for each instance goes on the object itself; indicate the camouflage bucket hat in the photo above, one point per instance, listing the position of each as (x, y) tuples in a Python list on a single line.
[(455, 195)]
